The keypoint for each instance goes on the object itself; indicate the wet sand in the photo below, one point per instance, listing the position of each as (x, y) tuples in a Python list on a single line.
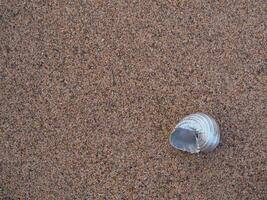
[(89, 92)]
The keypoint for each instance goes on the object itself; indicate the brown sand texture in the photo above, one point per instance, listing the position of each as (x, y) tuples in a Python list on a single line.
[(90, 91)]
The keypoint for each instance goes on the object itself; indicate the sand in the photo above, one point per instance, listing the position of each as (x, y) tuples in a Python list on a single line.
[(90, 91)]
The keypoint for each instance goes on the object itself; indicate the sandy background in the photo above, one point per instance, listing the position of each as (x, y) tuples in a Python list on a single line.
[(89, 92)]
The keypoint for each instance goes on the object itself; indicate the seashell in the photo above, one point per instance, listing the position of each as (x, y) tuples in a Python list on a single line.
[(196, 133)]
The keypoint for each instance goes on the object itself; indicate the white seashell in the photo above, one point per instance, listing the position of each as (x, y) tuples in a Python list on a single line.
[(196, 132)]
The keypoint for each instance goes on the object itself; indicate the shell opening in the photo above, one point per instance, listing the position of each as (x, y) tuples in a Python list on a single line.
[(185, 140)]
